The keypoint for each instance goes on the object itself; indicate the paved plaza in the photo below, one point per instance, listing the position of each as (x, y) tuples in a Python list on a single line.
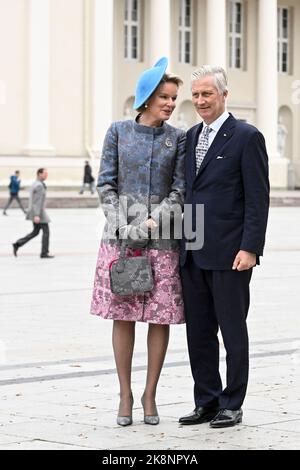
[(58, 386)]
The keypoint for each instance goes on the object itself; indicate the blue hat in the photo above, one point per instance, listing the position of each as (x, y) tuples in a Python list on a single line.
[(149, 81)]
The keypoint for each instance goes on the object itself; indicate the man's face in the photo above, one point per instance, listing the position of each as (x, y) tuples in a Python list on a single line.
[(44, 175), (208, 102)]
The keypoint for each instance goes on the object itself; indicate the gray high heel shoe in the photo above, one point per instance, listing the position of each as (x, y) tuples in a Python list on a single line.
[(125, 420), (149, 419)]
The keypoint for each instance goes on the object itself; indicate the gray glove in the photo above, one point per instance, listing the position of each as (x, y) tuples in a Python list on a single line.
[(135, 235)]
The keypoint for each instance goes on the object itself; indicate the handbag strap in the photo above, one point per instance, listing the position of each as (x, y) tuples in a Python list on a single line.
[(123, 249), (120, 266), (124, 245), (121, 261)]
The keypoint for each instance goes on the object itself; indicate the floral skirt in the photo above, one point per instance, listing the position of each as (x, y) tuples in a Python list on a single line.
[(163, 305)]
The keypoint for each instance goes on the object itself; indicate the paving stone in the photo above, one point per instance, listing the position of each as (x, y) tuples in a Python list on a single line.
[(58, 385)]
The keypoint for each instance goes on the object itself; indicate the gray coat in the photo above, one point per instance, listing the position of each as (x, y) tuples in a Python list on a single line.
[(37, 201), (142, 168)]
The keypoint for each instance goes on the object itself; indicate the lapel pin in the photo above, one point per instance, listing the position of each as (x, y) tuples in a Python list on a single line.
[(168, 143), (225, 135)]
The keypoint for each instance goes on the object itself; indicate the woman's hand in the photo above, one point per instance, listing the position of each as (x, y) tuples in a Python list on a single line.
[(151, 224), (135, 236)]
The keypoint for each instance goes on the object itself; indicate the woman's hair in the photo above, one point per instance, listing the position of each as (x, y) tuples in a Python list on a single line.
[(170, 78), (167, 78), (218, 73)]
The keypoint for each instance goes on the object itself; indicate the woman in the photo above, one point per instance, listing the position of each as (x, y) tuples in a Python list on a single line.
[(142, 172)]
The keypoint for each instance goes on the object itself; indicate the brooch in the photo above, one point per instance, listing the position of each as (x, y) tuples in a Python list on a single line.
[(168, 143)]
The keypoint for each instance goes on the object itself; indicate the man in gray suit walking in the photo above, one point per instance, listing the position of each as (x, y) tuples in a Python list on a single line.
[(37, 214)]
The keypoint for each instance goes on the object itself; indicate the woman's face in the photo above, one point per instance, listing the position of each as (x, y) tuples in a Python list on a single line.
[(163, 102)]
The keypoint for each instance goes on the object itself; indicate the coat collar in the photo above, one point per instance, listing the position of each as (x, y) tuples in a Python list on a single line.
[(147, 129)]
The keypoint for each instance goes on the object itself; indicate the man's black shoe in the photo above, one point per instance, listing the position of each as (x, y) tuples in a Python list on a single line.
[(47, 256), (226, 418), (15, 249), (199, 415)]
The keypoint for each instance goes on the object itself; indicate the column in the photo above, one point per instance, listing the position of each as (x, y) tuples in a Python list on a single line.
[(267, 89), (38, 103), (160, 30), (100, 73), (216, 33)]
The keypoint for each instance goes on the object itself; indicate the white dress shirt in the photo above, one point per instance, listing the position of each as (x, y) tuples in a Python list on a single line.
[(215, 126)]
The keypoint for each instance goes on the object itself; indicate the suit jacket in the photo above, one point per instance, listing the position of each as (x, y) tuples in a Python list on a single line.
[(233, 186), (37, 202)]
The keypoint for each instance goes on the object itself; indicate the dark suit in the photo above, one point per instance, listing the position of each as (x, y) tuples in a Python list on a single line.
[(88, 179), (233, 186)]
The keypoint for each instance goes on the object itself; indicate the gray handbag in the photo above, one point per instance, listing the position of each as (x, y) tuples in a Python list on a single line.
[(130, 275)]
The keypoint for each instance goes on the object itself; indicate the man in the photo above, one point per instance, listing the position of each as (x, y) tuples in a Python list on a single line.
[(37, 214), (88, 178), (227, 173), (14, 188)]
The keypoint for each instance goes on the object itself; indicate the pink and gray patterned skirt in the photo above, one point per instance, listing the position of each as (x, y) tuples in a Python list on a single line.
[(163, 305)]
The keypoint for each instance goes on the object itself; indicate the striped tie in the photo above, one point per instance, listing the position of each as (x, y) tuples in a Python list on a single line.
[(202, 147)]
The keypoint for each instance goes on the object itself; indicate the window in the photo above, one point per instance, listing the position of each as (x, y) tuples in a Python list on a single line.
[(185, 32), (132, 29), (236, 31), (283, 28)]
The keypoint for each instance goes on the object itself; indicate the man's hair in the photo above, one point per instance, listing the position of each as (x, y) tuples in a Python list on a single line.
[(17, 172), (218, 73), (40, 171)]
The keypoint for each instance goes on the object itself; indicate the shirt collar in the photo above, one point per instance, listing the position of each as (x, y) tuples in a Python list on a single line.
[(218, 123)]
